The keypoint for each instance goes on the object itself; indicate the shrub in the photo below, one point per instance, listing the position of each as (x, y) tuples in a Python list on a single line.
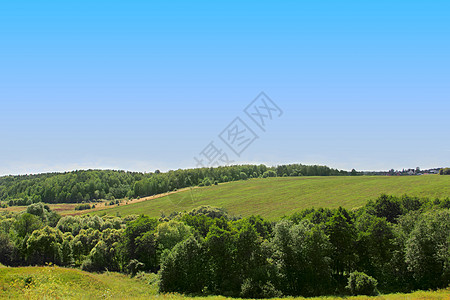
[(134, 266), (360, 283), (252, 289), (206, 182), (445, 171), (83, 206), (269, 173)]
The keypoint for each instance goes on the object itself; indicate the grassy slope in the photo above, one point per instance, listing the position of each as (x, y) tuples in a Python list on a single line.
[(61, 283), (275, 197), (56, 282)]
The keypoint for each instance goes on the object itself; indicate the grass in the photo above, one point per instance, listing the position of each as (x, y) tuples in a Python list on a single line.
[(62, 283), (275, 197)]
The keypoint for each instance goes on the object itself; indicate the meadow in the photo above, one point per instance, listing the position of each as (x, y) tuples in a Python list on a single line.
[(275, 197), (63, 283)]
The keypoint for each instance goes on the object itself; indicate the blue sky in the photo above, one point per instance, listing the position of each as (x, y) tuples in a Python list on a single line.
[(145, 85)]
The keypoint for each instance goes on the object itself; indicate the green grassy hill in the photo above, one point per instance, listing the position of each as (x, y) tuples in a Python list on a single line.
[(275, 197), (62, 283)]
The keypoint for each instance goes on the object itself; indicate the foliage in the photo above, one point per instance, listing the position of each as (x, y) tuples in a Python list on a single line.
[(83, 206), (183, 269), (206, 252), (44, 246), (93, 185), (427, 250), (361, 284), (445, 171)]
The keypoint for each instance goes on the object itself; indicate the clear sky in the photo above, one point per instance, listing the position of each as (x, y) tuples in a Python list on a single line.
[(145, 85)]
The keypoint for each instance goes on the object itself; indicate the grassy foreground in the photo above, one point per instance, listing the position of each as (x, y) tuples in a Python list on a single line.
[(63, 283), (276, 197)]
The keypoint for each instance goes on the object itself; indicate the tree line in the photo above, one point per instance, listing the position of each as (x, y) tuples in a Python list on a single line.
[(94, 185), (392, 244), (445, 171)]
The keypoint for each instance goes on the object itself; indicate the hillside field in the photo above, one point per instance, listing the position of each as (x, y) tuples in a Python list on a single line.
[(63, 283), (276, 197)]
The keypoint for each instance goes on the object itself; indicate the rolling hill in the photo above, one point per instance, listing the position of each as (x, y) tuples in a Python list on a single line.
[(64, 283), (275, 197)]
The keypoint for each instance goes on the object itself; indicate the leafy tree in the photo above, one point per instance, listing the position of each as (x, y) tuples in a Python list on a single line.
[(69, 224), (428, 250), (8, 251), (200, 223), (342, 234), (27, 223), (184, 269), (66, 250), (386, 206), (140, 242), (375, 244), (44, 245), (170, 233), (83, 243), (301, 253), (220, 250), (253, 269)]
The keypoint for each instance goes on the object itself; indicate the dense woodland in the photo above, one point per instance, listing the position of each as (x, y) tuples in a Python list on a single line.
[(391, 244), (94, 185)]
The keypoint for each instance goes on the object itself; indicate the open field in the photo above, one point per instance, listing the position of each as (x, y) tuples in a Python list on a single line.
[(63, 283), (69, 208), (275, 197)]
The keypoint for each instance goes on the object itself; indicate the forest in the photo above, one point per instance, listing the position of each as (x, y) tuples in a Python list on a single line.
[(391, 244), (94, 185)]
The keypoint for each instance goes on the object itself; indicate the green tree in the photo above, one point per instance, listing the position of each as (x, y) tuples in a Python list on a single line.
[(375, 244), (184, 269), (221, 249), (428, 250), (27, 223), (342, 234), (8, 251), (44, 245), (134, 236), (170, 233), (301, 253), (385, 206)]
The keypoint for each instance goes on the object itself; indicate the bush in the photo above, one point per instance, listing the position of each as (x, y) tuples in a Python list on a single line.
[(269, 173), (445, 171), (360, 283), (83, 206), (206, 182), (134, 266), (252, 289)]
